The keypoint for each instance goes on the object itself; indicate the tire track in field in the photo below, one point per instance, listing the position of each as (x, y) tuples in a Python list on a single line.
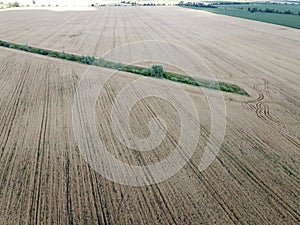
[(189, 41), (257, 180), (287, 103), (263, 186), (100, 39), (192, 30), (103, 218), (160, 197), (99, 221), (251, 104), (35, 201), (256, 141), (16, 168), (19, 28), (124, 16), (290, 139), (103, 198), (244, 169), (268, 190), (5, 68), (68, 190), (230, 213), (262, 110), (14, 103), (114, 43), (12, 22), (158, 194), (11, 103), (86, 32), (61, 27)]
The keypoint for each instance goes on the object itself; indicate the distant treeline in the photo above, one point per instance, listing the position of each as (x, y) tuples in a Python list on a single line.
[(231, 3), (252, 10), (9, 5), (267, 10), (197, 4)]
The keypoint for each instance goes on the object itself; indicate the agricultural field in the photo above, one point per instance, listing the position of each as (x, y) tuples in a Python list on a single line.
[(45, 178), (241, 10)]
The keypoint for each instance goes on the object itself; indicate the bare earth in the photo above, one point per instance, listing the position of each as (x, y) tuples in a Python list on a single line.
[(44, 178)]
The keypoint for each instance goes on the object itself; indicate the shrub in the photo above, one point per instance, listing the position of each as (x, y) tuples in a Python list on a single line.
[(146, 72), (174, 79), (100, 62), (157, 71), (71, 57), (43, 52), (118, 66), (25, 48), (53, 54), (62, 55), (287, 12), (88, 60), (14, 4)]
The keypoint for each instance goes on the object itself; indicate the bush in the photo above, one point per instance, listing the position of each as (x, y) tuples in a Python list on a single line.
[(14, 4), (43, 52), (53, 54), (62, 55), (253, 10), (117, 66), (287, 12), (146, 72), (88, 60), (157, 71), (71, 57), (25, 48), (100, 62), (174, 79)]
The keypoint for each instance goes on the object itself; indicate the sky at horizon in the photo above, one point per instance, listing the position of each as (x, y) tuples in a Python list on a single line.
[(89, 2)]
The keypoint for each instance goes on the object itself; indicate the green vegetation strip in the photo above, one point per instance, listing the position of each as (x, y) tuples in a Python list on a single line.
[(155, 71), (280, 14)]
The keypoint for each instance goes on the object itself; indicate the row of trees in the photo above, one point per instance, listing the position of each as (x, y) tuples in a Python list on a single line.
[(154, 71), (267, 10), (13, 4), (197, 4)]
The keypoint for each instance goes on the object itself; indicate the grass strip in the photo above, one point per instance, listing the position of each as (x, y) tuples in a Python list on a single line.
[(155, 71)]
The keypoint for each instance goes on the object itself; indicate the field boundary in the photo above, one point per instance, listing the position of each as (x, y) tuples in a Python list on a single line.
[(101, 62)]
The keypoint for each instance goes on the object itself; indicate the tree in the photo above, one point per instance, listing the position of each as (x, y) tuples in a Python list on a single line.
[(253, 10), (15, 4), (157, 71), (287, 12)]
